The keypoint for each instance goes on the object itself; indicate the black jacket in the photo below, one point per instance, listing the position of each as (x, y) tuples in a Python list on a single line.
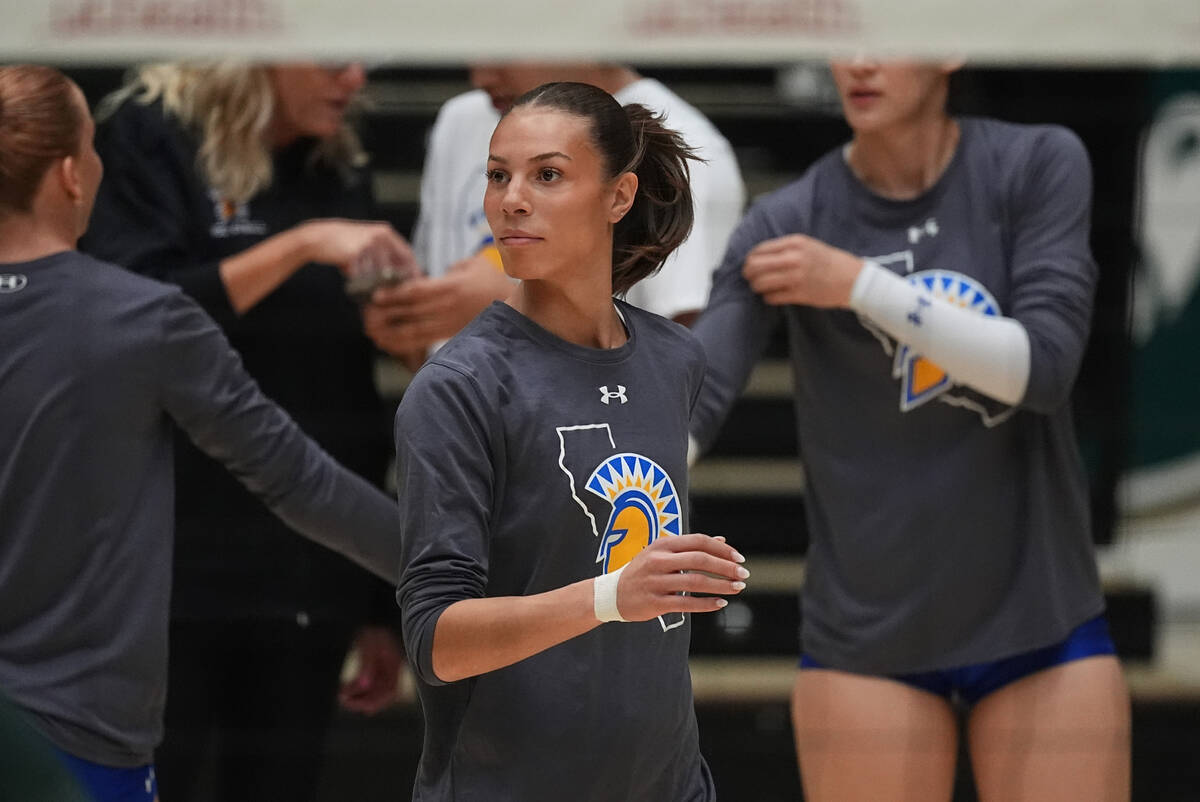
[(303, 343)]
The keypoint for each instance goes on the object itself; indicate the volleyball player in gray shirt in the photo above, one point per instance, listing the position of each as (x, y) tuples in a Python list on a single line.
[(97, 364), (936, 282), (543, 482)]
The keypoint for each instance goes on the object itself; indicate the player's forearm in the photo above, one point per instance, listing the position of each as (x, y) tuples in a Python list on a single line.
[(475, 636), (989, 354), (227, 416), (254, 273), (338, 509)]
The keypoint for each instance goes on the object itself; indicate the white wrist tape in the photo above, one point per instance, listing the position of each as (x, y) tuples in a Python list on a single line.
[(604, 596), (989, 354)]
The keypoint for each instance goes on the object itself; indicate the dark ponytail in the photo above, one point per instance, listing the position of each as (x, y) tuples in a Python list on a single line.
[(633, 139)]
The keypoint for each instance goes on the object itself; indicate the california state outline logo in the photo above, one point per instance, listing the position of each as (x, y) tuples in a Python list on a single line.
[(629, 499)]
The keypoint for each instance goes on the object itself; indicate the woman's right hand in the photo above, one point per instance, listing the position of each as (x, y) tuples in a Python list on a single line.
[(798, 269), (350, 244), (477, 635), (653, 582)]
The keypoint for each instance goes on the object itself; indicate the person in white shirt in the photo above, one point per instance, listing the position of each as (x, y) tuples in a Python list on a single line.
[(452, 240)]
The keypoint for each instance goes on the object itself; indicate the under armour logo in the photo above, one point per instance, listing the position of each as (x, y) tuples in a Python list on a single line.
[(606, 396), (928, 228), (914, 317), (12, 282)]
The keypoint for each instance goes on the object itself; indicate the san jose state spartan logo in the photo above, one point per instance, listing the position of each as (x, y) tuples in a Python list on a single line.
[(922, 380), (645, 507), (639, 497)]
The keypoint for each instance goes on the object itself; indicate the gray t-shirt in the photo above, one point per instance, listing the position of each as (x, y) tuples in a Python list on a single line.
[(526, 463), (945, 528), (96, 363)]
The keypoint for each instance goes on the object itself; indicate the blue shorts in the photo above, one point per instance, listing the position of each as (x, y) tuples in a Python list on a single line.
[(109, 784), (972, 683)]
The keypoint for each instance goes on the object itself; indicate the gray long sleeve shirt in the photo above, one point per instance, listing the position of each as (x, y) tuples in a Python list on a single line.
[(526, 463), (95, 364), (945, 528)]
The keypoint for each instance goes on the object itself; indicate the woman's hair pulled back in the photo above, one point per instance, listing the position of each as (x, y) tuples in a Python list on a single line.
[(40, 121), (632, 139)]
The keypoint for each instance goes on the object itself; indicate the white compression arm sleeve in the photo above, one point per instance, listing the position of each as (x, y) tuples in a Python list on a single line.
[(988, 354)]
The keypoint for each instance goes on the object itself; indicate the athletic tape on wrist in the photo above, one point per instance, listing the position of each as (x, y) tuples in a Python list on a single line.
[(604, 596)]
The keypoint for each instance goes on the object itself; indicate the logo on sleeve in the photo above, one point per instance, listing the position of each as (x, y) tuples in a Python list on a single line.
[(922, 380), (15, 282)]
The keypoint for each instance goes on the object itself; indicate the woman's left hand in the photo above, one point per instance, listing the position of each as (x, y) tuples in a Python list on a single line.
[(374, 686), (798, 269)]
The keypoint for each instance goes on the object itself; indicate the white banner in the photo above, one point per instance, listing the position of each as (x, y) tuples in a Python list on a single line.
[(1116, 32)]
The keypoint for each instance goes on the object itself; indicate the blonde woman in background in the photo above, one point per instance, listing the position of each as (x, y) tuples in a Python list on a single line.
[(245, 185)]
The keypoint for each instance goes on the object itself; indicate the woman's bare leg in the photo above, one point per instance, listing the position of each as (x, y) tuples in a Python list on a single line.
[(867, 738), (1060, 734)]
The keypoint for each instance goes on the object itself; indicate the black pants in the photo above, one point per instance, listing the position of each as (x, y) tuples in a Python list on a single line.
[(248, 707)]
